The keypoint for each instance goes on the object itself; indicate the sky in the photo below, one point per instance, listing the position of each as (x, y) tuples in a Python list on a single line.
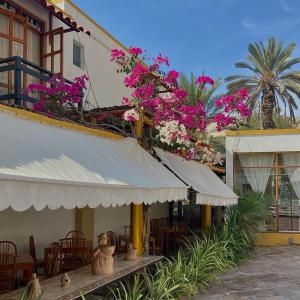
[(198, 35)]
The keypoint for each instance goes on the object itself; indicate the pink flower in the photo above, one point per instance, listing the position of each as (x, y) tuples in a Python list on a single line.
[(242, 94), (180, 93), (202, 80), (38, 106), (144, 92), (135, 76), (171, 77), (135, 51), (116, 54), (162, 60), (223, 121)]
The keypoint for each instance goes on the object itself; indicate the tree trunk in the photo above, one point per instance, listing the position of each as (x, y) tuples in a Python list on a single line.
[(268, 104)]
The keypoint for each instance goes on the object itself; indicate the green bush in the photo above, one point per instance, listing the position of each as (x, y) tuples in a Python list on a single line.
[(203, 258)]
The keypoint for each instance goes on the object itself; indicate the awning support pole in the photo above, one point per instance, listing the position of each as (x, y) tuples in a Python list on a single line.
[(137, 211), (84, 221), (207, 218)]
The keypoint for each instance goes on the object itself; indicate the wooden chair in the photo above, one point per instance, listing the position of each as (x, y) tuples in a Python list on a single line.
[(164, 222), (77, 234), (113, 240), (8, 247), (8, 274), (160, 244), (154, 226), (127, 230), (73, 253), (177, 238), (38, 263), (52, 267)]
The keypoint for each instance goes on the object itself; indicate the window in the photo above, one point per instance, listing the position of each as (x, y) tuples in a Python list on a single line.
[(277, 176), (78, 54)]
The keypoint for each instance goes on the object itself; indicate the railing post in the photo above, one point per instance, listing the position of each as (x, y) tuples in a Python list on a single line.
[(80, 104), (18, 81)]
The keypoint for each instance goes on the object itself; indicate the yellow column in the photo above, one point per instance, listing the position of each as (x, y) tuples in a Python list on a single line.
[(207, 217), (136, 211), (84, 221)]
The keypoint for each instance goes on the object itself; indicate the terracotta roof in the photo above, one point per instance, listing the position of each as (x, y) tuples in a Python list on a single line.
[(59, 14)]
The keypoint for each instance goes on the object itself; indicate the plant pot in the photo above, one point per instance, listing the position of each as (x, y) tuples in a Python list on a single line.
[(131, 254)]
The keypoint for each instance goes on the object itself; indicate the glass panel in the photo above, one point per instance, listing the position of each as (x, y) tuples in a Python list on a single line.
[(56, 63), (3, 90), (18, 30), (4, 21), (33, 47), (77, 54), (17, 49), (288, 204), (255, 175), (56, 39), (4, 48)]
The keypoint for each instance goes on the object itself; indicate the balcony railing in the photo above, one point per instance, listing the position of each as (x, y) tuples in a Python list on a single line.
[(19, 67)]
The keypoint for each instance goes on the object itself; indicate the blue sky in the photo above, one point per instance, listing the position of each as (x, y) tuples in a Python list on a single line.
[(198, 35)]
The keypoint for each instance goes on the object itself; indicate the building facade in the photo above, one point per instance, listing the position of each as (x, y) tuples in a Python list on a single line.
[(268, 162), (61, 38)]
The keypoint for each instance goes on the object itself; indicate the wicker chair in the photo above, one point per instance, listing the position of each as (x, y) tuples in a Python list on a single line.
[(8, 254), (38, 263), (75, 234), (73, 253), (52, 267)]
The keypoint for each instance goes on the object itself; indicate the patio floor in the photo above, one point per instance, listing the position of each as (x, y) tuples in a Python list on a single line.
[(272, 273)]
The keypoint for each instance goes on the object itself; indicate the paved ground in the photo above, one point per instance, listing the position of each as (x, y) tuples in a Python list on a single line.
[(272, 274)]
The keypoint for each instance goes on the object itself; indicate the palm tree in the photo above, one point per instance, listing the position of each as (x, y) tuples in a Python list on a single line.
[(208, 95), (272, 81)]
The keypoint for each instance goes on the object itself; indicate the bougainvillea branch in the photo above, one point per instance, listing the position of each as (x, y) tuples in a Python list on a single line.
[(179, 125), (57, 96)]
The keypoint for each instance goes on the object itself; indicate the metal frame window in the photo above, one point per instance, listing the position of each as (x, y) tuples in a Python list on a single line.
[(285, 207), (78, 54)]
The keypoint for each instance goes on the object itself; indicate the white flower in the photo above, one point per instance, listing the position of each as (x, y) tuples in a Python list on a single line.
[(131, 115), (172, 132)]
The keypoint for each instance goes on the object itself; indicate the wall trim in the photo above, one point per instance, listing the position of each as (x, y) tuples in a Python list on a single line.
[(263, 132), (58, 123)]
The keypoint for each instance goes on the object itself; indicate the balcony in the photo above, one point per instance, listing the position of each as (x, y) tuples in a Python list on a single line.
[(15, 73)]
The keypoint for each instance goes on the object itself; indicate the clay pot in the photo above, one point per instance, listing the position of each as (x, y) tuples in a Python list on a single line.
[(131, 254), (65, 280), (102, 262), (107, 249)]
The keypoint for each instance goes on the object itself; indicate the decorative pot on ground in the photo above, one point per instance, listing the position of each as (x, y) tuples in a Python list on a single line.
[(102, 261), (33, 288), (65, 280), (131, 252)]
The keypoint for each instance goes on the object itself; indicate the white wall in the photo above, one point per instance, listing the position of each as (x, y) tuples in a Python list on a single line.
[(107, 88), (49, 226), (258, 143), (115, 218), (107, 85), (46, 226)]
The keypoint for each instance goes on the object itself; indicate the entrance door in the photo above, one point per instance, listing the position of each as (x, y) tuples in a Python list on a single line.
[(53, 50), (13, 42)]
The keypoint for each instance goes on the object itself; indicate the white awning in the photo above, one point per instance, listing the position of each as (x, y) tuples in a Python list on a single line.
[(46, 166), (211, 189)]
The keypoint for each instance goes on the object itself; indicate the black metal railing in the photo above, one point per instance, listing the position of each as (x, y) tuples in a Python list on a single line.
[(20, 66)]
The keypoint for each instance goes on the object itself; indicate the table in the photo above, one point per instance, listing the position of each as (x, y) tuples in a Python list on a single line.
[(84, 280), (25, 263), (88, 247), (124, 238)]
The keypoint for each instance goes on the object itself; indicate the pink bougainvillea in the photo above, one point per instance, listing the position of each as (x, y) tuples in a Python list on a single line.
[(58, 96), (179, 125)]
